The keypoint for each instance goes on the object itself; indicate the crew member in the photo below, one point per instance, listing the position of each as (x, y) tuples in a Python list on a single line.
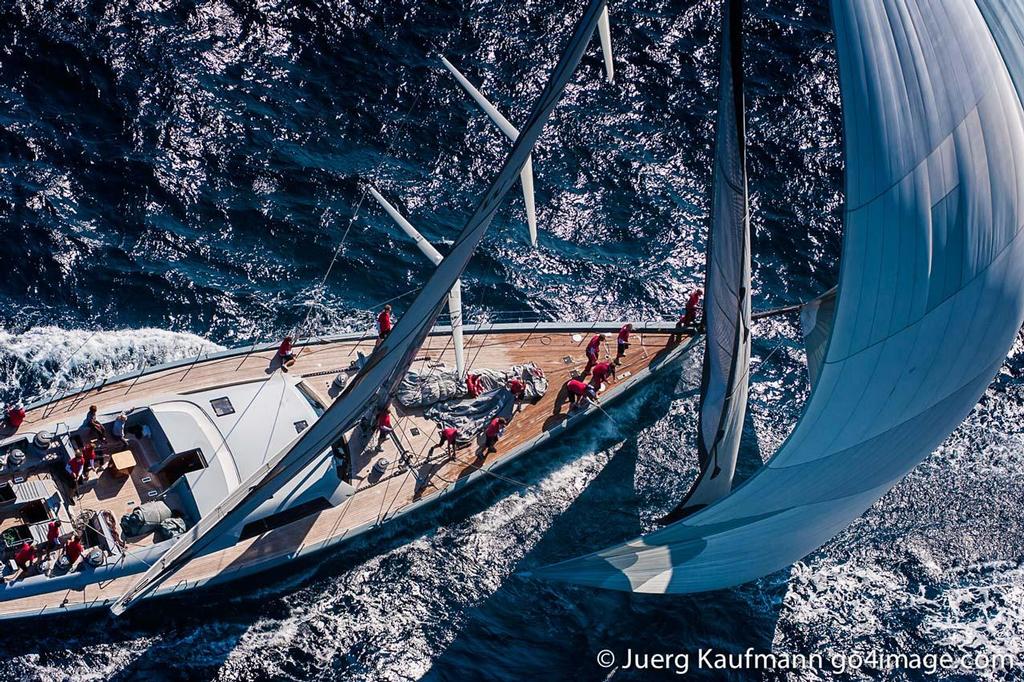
[(76, 468), (285, 355), (384, 324), (88, 458), (622, 342), (518, 390), (92, 423), (593, 349), (689, 318), (25, 556), (601, 372), (73, 550), (384, 428), (53, 535), (118, 428), (449, 434), (493, 433), (15, 416), (577, 390)]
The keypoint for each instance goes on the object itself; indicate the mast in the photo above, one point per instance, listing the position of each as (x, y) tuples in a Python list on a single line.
[(725, 375), (375, 384), (428, 250)]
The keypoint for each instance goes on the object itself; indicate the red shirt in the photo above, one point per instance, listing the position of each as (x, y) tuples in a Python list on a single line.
[(285, 348), (384, 321), (52, 532), (384, 420), (89, 453), (25, 555), (576, 387), (594, 345), (449, 433), (73, 550), (15, 416), (624, 333), (494, 428), (76, 465), (517, 387), (601, 370)]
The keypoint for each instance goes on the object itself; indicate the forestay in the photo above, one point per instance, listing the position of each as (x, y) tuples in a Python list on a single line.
[(930, 295), (725, 377), (376, 382)]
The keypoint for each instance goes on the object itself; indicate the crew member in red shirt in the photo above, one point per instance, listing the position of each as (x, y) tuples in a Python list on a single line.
[(384, 324), (285, 355), (692, 303), (449, 434), (593, 349), (76, 468), (576, 390), (384, 428), (622, 341), (493, 433), (518, 390), (601, 372), (73, 550), (53, 535), (88, 459), (25, 556), (15, 416)]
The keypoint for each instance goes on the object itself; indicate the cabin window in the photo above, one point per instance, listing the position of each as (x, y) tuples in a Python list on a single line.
[(222, 406), (285, 517), (301, 425)]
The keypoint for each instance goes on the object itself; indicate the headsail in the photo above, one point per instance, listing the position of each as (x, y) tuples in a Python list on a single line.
[(375, 383), (816, 320), (930, 299), (725, 377)]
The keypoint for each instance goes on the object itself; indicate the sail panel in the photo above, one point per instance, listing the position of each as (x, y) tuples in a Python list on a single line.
[(930, 298), (372, 387), (725, 376), (817, 318)]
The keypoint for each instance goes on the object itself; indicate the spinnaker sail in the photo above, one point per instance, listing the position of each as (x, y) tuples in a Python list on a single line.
[(725, 376), (930, 296), (372, 388)]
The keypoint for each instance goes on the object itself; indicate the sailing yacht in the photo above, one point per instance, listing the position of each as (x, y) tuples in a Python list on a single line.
[(232, 463)]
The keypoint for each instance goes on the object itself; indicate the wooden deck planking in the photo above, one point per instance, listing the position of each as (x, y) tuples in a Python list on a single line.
[(372, 503)]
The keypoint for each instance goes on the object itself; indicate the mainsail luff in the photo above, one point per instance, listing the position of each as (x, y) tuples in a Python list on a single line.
[(930, 299), (725, 375), (372, 387)]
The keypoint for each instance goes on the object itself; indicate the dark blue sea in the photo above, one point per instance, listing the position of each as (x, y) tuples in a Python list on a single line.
[(178, 175)]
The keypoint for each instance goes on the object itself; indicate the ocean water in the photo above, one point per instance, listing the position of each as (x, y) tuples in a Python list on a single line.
[(178, 175)]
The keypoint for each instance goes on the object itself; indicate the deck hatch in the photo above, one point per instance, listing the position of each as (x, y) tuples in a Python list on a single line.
[(222, 406)]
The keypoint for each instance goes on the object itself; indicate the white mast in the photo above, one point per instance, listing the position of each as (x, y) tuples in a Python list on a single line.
[(526, 174), (604, 29), (428, 250)]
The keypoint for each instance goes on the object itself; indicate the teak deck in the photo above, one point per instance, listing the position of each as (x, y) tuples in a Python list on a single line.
[(376, 500)]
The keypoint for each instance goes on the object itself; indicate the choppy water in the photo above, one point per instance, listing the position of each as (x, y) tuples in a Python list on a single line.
[(177, 175)]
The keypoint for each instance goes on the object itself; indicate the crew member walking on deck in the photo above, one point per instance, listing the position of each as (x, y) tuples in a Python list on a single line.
[(15, 416), (593, 350), (622, 342), (689, 318), (449, 434), (384, 324), (493, 432), (602, 371), (285, 355), (384, 428)]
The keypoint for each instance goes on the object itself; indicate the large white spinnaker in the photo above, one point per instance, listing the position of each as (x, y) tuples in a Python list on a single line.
[(726, 371), (930, 296), (428, 250), (373, 387), (512, 133)]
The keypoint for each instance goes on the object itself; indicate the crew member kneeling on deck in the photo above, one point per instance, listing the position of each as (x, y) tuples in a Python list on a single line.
[(284, 353), (25, 556), (578, 390), (518, 390), (384, 428), (92, 423), (15, 416), (602, 371), (493, 433)]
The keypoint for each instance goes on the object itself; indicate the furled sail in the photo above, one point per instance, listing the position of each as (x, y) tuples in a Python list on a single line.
[(725, 377), (930, 298), (372, 388)]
